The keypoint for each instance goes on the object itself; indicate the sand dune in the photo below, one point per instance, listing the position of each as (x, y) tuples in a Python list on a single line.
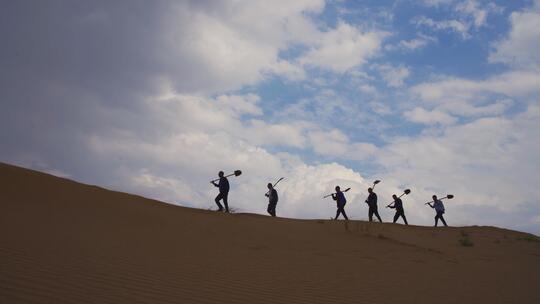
[(65, 242)]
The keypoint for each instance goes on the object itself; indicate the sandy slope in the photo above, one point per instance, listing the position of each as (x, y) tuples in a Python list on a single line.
[(64, 242)]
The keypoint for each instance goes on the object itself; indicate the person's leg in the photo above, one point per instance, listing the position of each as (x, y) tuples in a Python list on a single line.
[(370, 214), (343, 212), (377, 214), (273, 209), (225, 198), (396, 216), (442, 220), (218, 197), (404, 218), (269, 209), (436, 219), (337, 213)]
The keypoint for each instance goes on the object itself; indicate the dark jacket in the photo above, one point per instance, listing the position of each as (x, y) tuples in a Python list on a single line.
[(372, 199), (273, 196), (339, 197), (223, 185), (398, 204)]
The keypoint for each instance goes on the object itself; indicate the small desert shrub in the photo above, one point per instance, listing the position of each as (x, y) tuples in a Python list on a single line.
[(466, 242), (382, 237)]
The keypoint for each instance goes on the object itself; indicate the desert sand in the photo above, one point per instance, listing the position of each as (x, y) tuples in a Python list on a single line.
[(66, 242)]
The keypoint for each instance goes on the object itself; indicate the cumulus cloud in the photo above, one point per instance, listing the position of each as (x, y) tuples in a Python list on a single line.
[(241, 104), (520, 47), (198, 47), (478, 160), (343, 48), (491, 96)]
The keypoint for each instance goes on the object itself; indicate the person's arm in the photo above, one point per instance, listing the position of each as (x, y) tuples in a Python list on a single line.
[(429, 204), (334, 197), (214, 183)]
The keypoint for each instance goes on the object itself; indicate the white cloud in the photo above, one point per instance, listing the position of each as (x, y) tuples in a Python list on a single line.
[(236, 43), (302, 191), (177, 170), (278, 134), (336, 144), (468, 15), (380, 108), (343, 48), (240, 104), (454, 25), (413, 44), (478, 14), (394, 76), (423, 116), (517, 83), (368, 89), (520, 47), (289, 70), (490, 162), (329, 143), (225, 113), (474, 98), (416, 43)]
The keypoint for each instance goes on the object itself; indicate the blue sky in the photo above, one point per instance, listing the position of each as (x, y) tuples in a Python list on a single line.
[(440, 96)]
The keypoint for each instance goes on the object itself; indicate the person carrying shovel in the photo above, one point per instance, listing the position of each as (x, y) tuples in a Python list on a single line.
[(224, 187), (439, 209), (339, 197), (272, 199), (372, 203), (398, 205)]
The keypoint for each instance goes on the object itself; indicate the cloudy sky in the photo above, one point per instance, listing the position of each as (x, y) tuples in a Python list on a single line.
[(155, 97)]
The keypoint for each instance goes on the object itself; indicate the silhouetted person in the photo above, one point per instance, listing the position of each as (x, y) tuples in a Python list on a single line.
[(439, 208), (272, 200), (223, 191), (372, 203), (339, 197), (398, 205)]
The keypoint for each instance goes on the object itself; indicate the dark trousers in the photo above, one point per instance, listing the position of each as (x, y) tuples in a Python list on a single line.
[(373, 210), (341, 209), (402, 214), (439, 216), (222, 196), (271, 209)]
